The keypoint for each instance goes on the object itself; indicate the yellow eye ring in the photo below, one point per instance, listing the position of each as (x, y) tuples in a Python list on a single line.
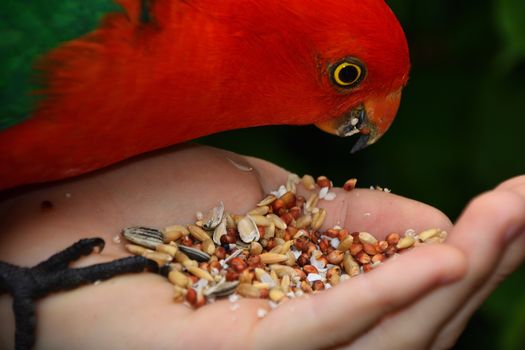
[(347, 74)]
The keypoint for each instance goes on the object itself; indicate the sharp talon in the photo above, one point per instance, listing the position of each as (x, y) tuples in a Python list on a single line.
[(54, 274)]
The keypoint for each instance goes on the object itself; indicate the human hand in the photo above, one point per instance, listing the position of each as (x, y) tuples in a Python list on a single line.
[(421, 299)]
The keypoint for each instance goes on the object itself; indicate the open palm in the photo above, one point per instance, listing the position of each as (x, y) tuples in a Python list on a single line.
[(421, 299)]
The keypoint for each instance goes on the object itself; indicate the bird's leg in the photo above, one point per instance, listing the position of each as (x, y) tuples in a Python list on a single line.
[(53, 275)]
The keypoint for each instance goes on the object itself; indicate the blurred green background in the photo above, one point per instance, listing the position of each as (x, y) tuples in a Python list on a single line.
[(460, 131)]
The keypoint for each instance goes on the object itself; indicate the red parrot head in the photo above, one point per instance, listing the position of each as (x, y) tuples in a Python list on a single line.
[(163, 72), (338, 64)]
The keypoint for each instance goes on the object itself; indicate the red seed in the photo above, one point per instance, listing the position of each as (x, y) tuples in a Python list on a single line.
[(350, 185), (363, 258), (238, 264), (356, 248)]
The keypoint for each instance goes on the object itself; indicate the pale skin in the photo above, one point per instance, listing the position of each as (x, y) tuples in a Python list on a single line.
[(420, 300)]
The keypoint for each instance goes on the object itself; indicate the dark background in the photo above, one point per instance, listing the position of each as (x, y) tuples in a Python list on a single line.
[(459, 132)]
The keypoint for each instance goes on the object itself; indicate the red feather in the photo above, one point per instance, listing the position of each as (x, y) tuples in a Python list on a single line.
[(198, 67)]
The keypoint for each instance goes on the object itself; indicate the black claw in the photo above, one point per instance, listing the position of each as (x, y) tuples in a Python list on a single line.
[(54, 274)]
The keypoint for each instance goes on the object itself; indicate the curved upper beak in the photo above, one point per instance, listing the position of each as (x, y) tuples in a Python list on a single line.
[(371, 119)]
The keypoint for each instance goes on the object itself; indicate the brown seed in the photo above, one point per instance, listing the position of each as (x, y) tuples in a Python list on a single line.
[(345, 244), (310, 269), (370, 249), (378, 258), (343, 234), (335, 257), (300, 274), (295, 212), (215, 265), (393, 238), (356, 248), (363, 258), (232, 276), (318, 285), (289, 199), (309, 249), (278, 204), (271, 258), (264, 293), (367, 268), (248, 290), (303, 259), (323, 181), (191, 296), (255, 248), (324, 244), (406, 242), (332, 233), (382, 246), (186, 240), (254, 261), (238, 264), (300, 243), (287, 218), (350, 185), (220, 253)]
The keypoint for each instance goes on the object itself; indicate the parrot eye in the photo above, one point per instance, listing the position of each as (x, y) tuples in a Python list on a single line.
[(348, 73)]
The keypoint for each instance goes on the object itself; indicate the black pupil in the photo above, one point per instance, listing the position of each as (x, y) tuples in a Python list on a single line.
[(349, 74)]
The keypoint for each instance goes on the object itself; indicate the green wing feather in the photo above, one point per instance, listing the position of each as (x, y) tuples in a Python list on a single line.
[(29, 29)]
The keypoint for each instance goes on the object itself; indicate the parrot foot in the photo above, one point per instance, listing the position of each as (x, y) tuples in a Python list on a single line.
[(53, 275)]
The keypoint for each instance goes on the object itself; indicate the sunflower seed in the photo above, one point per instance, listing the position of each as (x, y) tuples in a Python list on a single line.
[(220, 231), (195, 254), (144, 236), (248, 230), (213, 217), (222, 289)]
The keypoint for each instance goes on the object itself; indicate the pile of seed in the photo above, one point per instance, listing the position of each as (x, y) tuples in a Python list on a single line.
[(275, 251)]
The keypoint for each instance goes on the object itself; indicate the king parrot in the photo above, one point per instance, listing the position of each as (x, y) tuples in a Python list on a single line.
[(88, 84)]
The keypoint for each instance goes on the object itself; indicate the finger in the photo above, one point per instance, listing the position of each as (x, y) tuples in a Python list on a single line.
[(512, 258), (480, 233), (511, 184), (340, 314)]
